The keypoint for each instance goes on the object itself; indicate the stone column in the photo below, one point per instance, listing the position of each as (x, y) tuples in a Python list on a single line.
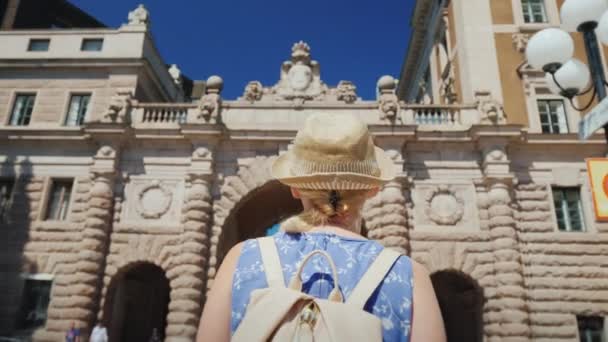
[(510, 291), (507, 309), (187, 274), (91, 258), (386, 215)]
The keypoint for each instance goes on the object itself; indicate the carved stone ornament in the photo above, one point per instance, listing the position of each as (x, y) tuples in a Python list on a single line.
[(346, 92), (520, 41), (444, 206), (120, 106), (106, 151), (139, 16), (388, 102), (253, 91), (153, 200), (210, 104), (492, 111), (176, 74), (300, 77)]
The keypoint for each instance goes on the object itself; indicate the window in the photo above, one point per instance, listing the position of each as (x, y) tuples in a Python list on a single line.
[(77, 110), (34, 302), (590, 328), (568, 209), (22, 110), (6, 190), (552, 116), (59, 200), (91, 44), (534, 11), (39, 45)]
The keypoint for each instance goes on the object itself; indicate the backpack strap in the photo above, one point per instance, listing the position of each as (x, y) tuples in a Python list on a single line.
[(373, 277), (272, 262)]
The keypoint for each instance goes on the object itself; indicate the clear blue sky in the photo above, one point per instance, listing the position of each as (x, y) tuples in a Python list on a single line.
[(241, 41)]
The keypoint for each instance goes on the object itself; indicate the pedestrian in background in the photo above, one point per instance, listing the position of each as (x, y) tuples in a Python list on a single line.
[(99, 334)]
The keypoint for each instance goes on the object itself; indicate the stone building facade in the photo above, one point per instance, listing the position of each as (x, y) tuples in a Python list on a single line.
[(544, 279), (121, 195)]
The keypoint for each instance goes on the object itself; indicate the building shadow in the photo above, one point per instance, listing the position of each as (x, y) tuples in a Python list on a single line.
[(15, 225)]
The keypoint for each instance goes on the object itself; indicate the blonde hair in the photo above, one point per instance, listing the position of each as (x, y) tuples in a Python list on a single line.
[(334, 207)]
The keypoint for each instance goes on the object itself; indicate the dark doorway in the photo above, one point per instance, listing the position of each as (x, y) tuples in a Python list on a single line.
[(256, 213), (461, 300), (137, 304)]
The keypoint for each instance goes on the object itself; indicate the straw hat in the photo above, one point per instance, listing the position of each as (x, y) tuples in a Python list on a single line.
[(334, 152)]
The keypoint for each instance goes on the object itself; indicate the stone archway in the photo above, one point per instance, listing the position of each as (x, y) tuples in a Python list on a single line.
[(137, 303), (461, 300), (250, 202)]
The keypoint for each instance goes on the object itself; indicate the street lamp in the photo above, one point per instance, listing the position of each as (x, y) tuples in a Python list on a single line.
[(551, 50)]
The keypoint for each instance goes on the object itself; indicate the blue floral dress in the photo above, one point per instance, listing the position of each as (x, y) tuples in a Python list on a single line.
[(392, 301)]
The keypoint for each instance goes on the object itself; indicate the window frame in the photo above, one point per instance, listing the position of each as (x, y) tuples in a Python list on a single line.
[(34, 277), (566, 116), (551, 11), (68, 104), (11, 109), (38, 40), (49, 194), (603, 330), (535, 88), (90, 40), (586, 227), (531, 14)]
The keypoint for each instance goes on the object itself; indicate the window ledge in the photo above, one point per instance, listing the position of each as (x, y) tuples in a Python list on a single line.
[(534, 27)]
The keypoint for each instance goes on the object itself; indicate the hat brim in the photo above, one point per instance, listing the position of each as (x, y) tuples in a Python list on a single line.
[(281, 170)]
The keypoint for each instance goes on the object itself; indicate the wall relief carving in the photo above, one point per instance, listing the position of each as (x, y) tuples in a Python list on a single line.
[(153, 200), (442, 205), (300, 82)]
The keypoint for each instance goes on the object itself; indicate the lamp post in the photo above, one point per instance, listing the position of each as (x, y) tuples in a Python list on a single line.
[(552, 49)]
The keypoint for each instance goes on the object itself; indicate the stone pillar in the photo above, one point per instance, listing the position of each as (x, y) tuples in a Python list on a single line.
[(510, 292), (507, 309), (187, 273), (91, 258), (386, 217), (187, 276)]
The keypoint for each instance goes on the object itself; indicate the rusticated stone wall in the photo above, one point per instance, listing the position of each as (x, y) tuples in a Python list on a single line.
[(62, 244), (386, 217), (565, 273), (187, 274), (13, 246), (509, 302)]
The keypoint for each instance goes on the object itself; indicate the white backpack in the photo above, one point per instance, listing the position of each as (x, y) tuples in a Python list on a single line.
[(280, 313)]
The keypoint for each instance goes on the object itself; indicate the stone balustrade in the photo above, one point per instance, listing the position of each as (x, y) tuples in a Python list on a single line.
[(171, 115)]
